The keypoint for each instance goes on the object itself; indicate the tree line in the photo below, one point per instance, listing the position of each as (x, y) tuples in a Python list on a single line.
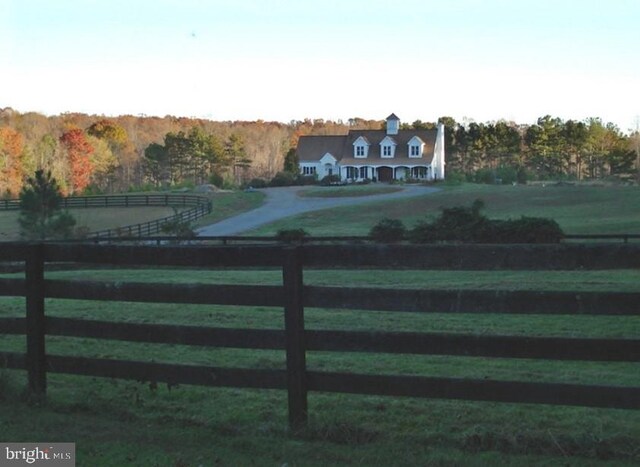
[(89, 153)]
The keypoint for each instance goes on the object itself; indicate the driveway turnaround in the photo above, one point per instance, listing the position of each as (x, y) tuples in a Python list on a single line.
[(285, 202)]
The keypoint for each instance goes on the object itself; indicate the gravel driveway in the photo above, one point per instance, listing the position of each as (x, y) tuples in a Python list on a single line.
[(285, 202)]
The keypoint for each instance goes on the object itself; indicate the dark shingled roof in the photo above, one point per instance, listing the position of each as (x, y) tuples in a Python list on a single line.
[(312, 148)]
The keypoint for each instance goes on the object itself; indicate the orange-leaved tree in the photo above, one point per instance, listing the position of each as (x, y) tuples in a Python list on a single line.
[(11, 151), (79, 151)]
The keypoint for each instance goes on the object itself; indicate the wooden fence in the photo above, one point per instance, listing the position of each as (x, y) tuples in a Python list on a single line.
[(293, 296), (194, 207)]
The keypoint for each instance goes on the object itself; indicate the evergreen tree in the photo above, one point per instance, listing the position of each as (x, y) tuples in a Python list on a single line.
[(291, 162), (41, 216)]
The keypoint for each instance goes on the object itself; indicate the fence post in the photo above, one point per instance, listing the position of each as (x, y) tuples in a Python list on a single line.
[(294, 338), (36, 359)]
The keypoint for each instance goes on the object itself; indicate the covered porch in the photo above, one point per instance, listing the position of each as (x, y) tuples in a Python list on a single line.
[(385, 173)]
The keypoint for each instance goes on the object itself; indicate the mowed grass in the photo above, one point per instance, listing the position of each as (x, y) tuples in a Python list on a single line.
[(228, 204), (225, 204), (348, 191), (121, 423), (117, 422), (578, 209)]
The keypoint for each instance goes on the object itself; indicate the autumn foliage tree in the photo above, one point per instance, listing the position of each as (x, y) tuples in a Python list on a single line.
[(79, 151), (11, 150)]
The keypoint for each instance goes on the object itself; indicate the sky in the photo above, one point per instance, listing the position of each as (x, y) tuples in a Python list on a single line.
[(283, 60)]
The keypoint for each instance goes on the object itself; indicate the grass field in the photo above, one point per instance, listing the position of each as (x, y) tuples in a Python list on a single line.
[(348, 191), (224, 205), (190, 426), (129, 423), (578, 209)]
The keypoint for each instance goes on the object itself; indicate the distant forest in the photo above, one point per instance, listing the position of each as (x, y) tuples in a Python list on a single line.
[(94, 154)]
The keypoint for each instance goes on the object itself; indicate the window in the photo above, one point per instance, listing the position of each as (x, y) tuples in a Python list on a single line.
[(415, 151), (308, 170), (359, 151), (419, 172), (386, 151), (364, 172)]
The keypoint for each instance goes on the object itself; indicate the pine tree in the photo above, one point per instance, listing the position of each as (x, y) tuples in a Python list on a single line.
[(41, 216)]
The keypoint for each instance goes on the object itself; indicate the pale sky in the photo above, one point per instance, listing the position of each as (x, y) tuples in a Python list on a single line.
[(333, 59)]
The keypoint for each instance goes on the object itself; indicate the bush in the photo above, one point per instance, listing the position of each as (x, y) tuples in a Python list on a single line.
[(291, 235), (505, 174), (331, 180), (306, 180), (282, 179), (455, 178), (388, 231), (466, 224), (178, 228), (257, 183), (216, 179)]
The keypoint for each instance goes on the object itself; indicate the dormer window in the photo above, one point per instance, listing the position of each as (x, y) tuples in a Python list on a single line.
[(361, 147), (416, 146), (388, 147)]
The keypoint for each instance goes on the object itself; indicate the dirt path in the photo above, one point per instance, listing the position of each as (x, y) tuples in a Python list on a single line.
[(285, 202)]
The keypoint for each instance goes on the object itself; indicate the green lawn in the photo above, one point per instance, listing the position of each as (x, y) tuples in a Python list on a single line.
[(117, 422), (348, 191), (129, 423), (229, 204), (225, 204), (578, 209)]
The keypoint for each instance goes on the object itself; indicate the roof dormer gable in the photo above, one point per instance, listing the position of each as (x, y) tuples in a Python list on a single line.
[(361, 147), (415, 147), (388, 147), (416, 140), (328, 158)]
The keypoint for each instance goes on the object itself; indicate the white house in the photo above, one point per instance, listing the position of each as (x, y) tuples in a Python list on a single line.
[(381, 155)]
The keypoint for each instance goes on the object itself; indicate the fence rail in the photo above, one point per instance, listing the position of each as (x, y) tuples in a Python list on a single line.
[(313, 239), (293, 296), (194, 207)]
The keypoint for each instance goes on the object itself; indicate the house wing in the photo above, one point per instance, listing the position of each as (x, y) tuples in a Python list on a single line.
[(313, 148)]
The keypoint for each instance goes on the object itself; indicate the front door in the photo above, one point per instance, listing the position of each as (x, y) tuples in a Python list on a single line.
[(385, 174)]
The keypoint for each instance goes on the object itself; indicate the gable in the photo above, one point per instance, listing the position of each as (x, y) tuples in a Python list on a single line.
[(328, 158)]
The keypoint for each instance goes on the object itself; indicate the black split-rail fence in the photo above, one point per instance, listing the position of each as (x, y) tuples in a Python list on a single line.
[(293, 296), (188, 209)]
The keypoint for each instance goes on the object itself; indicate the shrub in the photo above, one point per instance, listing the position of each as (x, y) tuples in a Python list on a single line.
[(331, 180), (282, 179), (306, 180), (257, 183), (291, 235), (216, 179), (455, 178), (467, 224), (178, 228), (388, 231)]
